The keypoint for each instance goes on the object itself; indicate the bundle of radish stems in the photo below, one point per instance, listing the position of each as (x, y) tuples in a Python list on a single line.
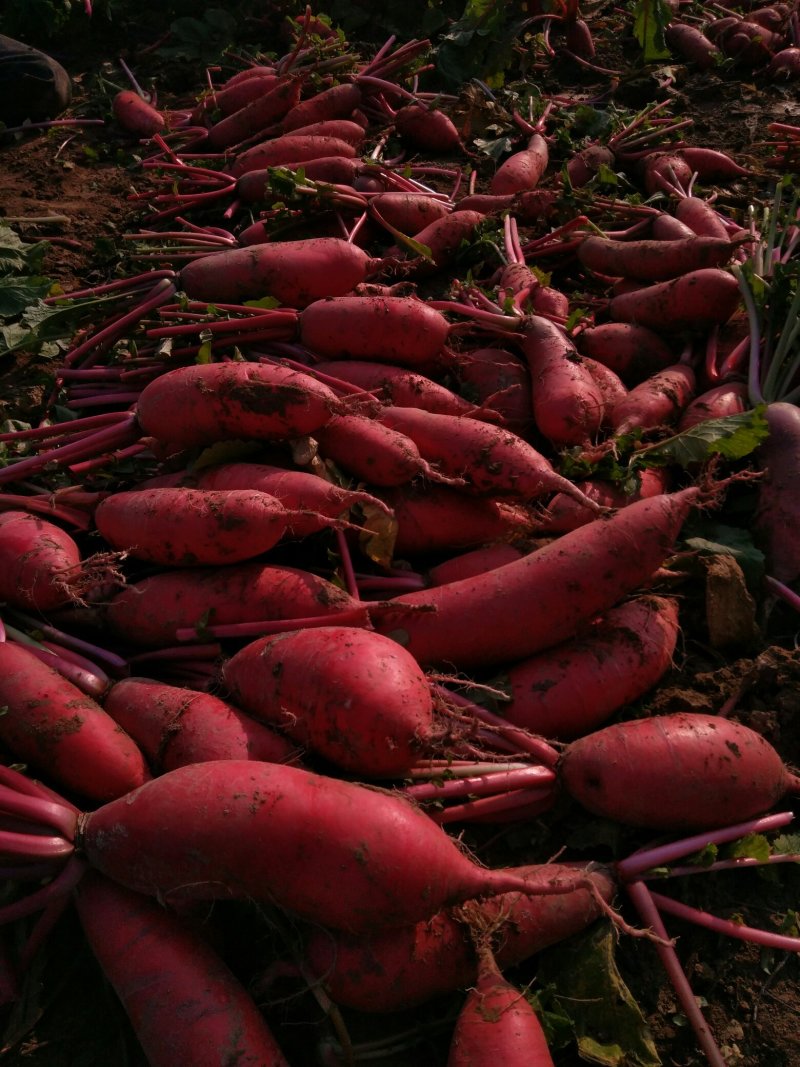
[(309, 515)]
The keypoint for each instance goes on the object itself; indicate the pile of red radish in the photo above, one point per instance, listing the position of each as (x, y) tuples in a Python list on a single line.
[(313, 502)]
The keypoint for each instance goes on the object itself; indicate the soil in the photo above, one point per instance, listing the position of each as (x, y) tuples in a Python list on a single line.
[(734, 656)]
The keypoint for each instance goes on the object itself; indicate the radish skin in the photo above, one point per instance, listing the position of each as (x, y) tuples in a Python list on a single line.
[(183, 1002), (702, 772), (520, 609)]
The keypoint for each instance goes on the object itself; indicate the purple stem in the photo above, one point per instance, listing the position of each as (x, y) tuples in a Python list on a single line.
[(88, 682), (34, 846), (38, 810), (351, 585), (122, 284), (354, 617), (63, 428), (98, 400), (663, 855), (483, 785), (723, 865), (520, 800), (780, 589), (766, 938), (62, 884), (77, 643), (178, 652), (159, 294), (101, 461), (410, 583), (643, 900), (526, 742), (121, 433)]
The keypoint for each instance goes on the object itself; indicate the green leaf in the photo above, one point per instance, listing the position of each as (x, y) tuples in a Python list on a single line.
[(608, 1023), (17, 293), (751, 846), (650, 19), (786, 844), (718, 539), (733, 437)]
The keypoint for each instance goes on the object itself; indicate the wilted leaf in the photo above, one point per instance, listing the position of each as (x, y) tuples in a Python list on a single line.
[(608, 1023), (377, 540)]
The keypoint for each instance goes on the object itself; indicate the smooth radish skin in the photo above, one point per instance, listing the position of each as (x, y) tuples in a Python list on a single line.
[(701, 217), (468, 564), (390, 329), (519, 609), (239, 829), (653, 261), (39, 562), (778, 512), (432, 518), (151, 611), (427, 128), (135, 115), (296, 273), (609, 383), (490, 459), (352, 696), (375, 452), (565, 513), (343, 129), (575, 687), (398, 386), (691, 43), (408, 212), (336, 102), (183, 1002), (314, 501), (406, 966), (523, 170), (730, 398), (634, 352), (676, 772), (500, 381), (294, 149), (444, 237), (61, 732), (568, 405), (497, 1024), (200, 404), (192, 527), (695, 301), (253, 118), (235, 95), (658, 401), (174, 726)]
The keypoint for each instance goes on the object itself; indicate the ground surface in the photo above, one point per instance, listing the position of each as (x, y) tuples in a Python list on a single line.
[(68, 1018)]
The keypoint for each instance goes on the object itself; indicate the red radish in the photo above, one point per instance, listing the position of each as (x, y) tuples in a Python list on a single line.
[(522, 170), (785, 64), (60, 731), (408, 965), (341, 129), (653, 261), (434, 518), (336, 102), (426, 128), (255, 186), (691, 43), (183, 1002), (296, 273), (565, 513), (444, 237), (778, 514), (245, 830), (40, 564), (152, 610), (668, 228), (701, 772), (398, 386), (730, 398), (174, 726), (608, 382), (694, 301), (567, 404), (489, 458), (576, 686), (351, 696), (289, 149), (135, 115), (519, 609), (584, 165), (663, 172), (657, 401), (532, 205), (401, 330), (200, 404), (700, 216), (253, 118), (711, 164), (376, 452), (633, 351), (312, 498), (497, 1024), (500, 381), (408, 212), (235, 95), (184, 527), (478, 561)]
